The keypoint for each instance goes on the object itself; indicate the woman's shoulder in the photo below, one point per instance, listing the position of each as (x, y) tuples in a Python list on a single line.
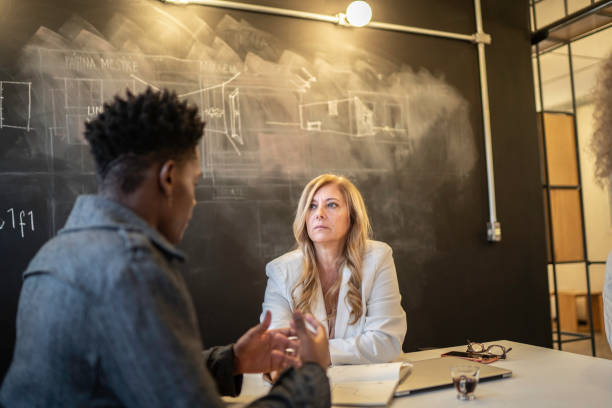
[(288, 263), (377, 248)]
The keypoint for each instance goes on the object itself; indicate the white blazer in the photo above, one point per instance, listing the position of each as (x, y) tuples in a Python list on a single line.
[(377, 336)]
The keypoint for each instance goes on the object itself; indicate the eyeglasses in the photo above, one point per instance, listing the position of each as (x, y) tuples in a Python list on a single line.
[(495, 349)]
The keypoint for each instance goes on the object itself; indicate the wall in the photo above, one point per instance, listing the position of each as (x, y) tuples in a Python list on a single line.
[(285, 100)]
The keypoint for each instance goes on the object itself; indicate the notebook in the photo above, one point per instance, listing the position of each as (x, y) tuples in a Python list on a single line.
[(370, 385), (435, 373)]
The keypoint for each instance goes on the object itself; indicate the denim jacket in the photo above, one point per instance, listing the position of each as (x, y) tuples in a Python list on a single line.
[(105, 319)]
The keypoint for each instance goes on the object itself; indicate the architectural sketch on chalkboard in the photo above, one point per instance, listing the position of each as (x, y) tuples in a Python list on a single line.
[(75, 100), (13, 94), (303, 79), (363, 114), (220, 109)]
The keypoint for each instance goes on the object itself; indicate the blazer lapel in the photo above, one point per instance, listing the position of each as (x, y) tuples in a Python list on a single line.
[(342, 311)]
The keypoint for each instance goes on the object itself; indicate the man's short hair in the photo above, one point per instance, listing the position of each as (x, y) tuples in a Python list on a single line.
[(131, 134)]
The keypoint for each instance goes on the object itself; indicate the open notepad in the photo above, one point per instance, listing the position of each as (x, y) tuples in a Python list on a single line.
[(366, 385)]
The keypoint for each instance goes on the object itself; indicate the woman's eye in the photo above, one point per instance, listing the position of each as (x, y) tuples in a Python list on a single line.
[(332, 205), (312, 206)]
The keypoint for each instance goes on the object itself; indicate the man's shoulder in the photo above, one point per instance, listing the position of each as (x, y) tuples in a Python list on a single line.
[(92, 260), (86, 245)]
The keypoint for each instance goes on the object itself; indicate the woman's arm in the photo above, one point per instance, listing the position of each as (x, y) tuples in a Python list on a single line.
[(384, 327), (276, 298)]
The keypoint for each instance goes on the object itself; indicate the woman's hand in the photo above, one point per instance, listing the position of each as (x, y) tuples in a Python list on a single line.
[(314, 347)]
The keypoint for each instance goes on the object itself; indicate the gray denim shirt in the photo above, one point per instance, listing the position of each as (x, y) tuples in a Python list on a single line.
[(105, 320)]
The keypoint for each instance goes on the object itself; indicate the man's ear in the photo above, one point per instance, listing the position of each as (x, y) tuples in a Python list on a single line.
[(167, 177)]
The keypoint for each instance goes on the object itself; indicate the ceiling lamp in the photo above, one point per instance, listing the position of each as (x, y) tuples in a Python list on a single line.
[(358, 13)]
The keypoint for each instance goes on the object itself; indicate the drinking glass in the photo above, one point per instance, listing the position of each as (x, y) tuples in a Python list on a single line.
[(465, 379)]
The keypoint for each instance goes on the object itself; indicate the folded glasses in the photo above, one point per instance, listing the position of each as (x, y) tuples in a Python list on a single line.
[(495, 349)]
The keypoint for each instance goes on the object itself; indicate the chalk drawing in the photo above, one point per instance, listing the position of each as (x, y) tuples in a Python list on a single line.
[(18, 91), (273, 117)]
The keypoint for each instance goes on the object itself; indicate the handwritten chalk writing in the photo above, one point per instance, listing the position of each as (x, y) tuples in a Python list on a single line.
[(94, 110), (80, 62), (212, 66), (93, 63), (118, 64), (12, 215), (214, 112), (20, 221)]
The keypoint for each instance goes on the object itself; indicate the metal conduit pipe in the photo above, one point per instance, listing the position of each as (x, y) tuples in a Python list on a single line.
[(259, 9), (493, 226)]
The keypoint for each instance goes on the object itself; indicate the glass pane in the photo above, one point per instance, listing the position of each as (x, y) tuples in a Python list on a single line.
[(575, 5), (556, 84), (548, 11), (598, 45), (571, 277), (587, 55)]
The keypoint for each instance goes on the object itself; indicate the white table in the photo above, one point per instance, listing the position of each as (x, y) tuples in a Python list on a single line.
[(541, 377)]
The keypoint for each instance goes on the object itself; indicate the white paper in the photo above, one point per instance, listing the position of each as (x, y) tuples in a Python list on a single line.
[(364, 385)]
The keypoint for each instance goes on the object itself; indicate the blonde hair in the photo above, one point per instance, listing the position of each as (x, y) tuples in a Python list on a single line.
[(354, 248)]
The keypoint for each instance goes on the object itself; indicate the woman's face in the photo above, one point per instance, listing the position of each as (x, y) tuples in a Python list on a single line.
[(328, 219)]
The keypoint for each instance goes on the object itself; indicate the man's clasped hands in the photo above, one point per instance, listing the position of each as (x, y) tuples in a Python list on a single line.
[(261, 350)]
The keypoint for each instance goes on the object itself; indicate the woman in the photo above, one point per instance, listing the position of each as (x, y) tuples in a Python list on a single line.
[(347, 281)]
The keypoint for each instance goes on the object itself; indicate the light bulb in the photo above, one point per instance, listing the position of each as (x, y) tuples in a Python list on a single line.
[(358, 13)]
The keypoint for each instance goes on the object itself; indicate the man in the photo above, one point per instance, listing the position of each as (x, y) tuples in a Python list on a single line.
[(104, 318)]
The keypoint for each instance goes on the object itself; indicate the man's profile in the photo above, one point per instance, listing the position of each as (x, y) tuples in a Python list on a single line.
[(104, 317)]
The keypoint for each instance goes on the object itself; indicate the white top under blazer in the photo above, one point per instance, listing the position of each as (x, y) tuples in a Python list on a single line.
[(377, 336)]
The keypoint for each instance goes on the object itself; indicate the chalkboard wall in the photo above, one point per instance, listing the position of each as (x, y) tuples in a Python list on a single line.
[(285, 100)]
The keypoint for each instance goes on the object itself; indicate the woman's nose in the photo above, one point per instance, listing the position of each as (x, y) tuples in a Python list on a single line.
[(320, 212)]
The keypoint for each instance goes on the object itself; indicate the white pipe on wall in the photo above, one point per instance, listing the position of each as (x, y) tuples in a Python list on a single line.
[(259, 9), (493, 227), (423, 31)]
